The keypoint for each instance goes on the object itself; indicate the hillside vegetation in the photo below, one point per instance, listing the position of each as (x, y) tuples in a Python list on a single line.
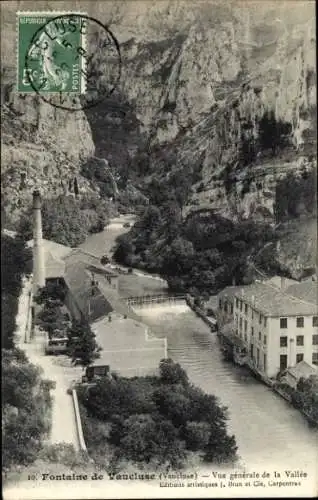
[(26, 399)]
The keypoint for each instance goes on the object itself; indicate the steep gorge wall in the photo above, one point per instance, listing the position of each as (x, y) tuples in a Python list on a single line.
[(43, 147), (193, 76)]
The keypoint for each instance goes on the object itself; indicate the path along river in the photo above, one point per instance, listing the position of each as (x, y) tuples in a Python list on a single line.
[(269, 432)]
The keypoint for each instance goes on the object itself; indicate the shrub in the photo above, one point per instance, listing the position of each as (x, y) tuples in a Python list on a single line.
[(141, 438), (172, 373), (26, 409), (197, 435)]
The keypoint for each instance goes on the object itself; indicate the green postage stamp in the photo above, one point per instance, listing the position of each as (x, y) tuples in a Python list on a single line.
[(51, 50)]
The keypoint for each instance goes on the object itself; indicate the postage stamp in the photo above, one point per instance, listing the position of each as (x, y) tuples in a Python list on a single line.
[(50, 52), (71, 60)]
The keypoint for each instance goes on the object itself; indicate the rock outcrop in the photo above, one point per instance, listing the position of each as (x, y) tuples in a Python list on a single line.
[(43, 147)]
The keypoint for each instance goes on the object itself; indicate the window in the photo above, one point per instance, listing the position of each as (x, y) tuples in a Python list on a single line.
[(265, 321), (283, 362), (252, 332), (300, 322), (259, 335), (245, 337), (220, 304), (315, 358), (252, 313), (299, 357), (300, 340), (265, 362), (283, 341), (245, 326), (241, 305), (246, 308), (241, 323), (236, 302), (225, 307), (231, 308), (315, 340), (265, 340), (260, 319), (315, 321), (283, 322), (252, 351), (257, 357)]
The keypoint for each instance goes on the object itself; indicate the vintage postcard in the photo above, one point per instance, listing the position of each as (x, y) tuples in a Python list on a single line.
[(159, 249)]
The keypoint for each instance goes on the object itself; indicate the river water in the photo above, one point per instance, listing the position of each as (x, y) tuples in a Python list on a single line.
[(269, 432)]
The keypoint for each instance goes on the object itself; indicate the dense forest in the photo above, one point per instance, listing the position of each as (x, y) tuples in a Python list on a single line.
[(206, 251)]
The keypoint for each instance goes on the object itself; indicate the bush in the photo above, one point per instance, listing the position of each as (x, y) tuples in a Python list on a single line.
[(197, 435), (172, 373), (26, 409), (141, 438), (62, 453)]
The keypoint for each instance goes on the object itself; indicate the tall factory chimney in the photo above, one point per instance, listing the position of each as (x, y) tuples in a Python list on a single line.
[(38, 249)]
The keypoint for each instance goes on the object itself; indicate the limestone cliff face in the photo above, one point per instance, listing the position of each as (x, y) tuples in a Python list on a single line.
[(197, 76), (201, 77), (43, 147), (179, 60)]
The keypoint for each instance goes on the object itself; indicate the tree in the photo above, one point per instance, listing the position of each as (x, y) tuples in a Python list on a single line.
[(82, 345), (172, 373), (143, 438), (16, 261), (26, 401), (52, 291), (53, 319), (68, 220), (197, 435)]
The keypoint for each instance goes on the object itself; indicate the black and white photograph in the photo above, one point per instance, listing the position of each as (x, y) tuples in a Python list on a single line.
[(159, 249)]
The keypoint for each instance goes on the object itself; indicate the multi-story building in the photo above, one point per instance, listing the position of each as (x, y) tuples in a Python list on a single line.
[(278, 327)]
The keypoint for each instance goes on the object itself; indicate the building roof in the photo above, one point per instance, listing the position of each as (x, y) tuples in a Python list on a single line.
[(302, 369), (272, 301), (89, 298), (229, 292), (306, 290), (278, 281), (57, 250), (54, 268), (90, 260)]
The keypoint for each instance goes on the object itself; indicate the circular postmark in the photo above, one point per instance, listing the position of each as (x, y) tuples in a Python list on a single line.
[(73, 62)]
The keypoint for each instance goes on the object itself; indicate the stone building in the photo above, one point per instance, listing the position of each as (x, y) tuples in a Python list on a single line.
[(278, 326)]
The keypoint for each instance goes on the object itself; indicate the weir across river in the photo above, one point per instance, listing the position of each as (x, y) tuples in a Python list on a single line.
[(152, 300)]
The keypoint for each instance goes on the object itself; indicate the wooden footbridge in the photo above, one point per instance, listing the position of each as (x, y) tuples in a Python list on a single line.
[(154, 299)]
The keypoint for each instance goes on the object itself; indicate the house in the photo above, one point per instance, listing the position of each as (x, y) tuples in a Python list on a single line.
[(278, 325)]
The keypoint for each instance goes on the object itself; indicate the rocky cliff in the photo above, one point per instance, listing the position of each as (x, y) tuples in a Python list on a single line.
[(205, 78), (229, 89)]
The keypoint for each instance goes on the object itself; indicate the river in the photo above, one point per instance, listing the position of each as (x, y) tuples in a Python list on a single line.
[(269, 432)]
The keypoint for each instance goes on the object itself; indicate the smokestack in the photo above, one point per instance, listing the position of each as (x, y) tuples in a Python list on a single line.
[(38, 250)]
